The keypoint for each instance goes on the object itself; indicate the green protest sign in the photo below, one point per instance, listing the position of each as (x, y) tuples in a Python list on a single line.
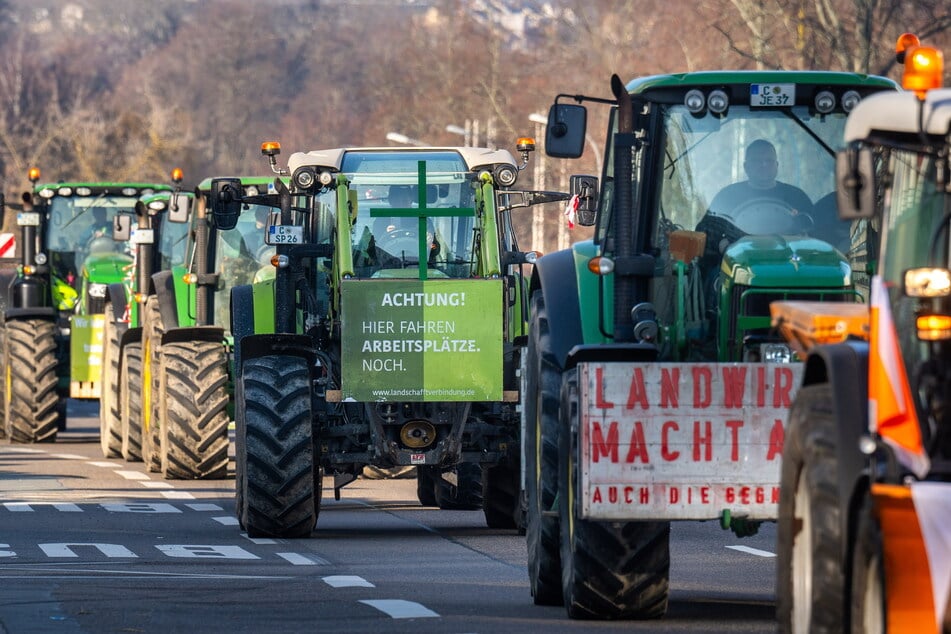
[(421, 340)]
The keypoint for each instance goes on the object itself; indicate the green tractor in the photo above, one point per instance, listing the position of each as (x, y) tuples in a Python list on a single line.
[(389, 335), (184, 347), (53, 321), (160, 238), (654, 387), (173, 386)]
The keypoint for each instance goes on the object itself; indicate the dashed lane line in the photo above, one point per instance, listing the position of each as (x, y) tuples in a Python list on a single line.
[(298, 559), (400, 609), (752, 551), (177, 495), (150, 484), (132, 475), (347, 581), (226, 520)]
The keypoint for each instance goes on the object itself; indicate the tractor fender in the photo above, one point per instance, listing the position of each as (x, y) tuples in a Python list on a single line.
[(163, 286), (30, 313), (214, 334), (116, 294), (840, 365), (255, 346), (554, 274)]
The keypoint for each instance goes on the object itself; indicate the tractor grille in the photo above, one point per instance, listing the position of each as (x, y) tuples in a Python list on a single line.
[(95, 305), (754, 302)]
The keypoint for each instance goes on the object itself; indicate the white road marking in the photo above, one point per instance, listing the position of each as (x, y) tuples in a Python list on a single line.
[(258, 540), (25, 507), (303, 560), (140, 507), (22, 450), (109, 465), (66, 549), (226, 520), (400, 609), (18, 507), (149, 484), (347, 581), (178, 495), (67, 456), (204, 507), (752, 551), (190, 551), (132, 475)]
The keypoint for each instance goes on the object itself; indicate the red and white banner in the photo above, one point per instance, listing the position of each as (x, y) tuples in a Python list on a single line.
[(8, 245), (682, 440)]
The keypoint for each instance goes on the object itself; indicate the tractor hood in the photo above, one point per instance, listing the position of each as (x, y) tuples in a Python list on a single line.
[(106, 268), (787, 261)]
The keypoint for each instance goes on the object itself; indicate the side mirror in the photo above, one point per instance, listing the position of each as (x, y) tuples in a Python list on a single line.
[(586, 189), (855, 183), (121, 227), (564, 134), (226, 202), (179, 207)]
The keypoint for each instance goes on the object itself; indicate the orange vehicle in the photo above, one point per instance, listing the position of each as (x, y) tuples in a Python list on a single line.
[(864, 530)]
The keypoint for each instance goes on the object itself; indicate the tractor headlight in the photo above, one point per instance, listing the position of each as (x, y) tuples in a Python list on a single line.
[(695, 101), (927, 282), (40, 258), (718, 101), (775, 353), (304, 178), (825, 102), (506, 175), (97, 290), (850, 99)]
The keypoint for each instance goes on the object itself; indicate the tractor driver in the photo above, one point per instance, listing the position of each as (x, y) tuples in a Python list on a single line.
[(759, 205), (399, 233)]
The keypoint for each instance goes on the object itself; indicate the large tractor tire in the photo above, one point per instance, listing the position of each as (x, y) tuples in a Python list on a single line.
[(609, 570), (195, 417), (500, 490), (152, 331), (280, 473), (459, 488), (540, 408), (426, 476), (110, 417), (810, 582), (868, 575), (33, 406), (130, 401)]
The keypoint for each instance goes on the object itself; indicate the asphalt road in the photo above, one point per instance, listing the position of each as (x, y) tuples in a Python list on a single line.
[(95, 545)]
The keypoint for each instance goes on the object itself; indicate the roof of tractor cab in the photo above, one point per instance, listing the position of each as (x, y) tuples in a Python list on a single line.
[(205, 185), (723, 77), (474, 157), (99, 187), (899, 113)]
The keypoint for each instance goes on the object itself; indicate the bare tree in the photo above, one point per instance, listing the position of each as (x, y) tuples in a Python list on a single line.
[(848, 35)]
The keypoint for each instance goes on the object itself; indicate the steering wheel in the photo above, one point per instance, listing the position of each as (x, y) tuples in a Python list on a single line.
[(100, 244), (399, 241), (769, 216)]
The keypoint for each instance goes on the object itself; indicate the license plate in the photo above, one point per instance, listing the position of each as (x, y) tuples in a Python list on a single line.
[(142, 236), (772, 95), (28, 219), (285, 234)]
